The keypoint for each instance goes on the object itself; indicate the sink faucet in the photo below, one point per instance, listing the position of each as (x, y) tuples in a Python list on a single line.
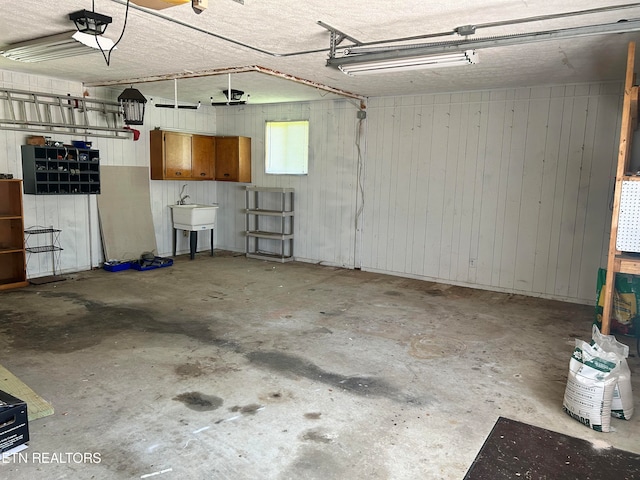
[(183, 197)]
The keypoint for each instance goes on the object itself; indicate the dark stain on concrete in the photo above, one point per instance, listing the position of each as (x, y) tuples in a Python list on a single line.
[(393, 293), (90, 322), (312, 415), (81, 323), (199, 402), (320, 330), (296, 366), (434, 291), (313, 463), (190, 370), (122, 462), (426, 347), (280, 396), (316, 436), (250, 409)]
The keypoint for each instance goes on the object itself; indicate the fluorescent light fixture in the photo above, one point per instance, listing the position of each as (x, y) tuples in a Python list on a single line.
[(396, 64), (54, 47), (94, 41)]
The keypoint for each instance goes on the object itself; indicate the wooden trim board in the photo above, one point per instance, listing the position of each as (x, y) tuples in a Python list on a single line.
[(37, 407)]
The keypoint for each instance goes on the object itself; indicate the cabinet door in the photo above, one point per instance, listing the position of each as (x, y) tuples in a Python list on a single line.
[(156, 154), (202, 157), (233, 159), (177, 155)]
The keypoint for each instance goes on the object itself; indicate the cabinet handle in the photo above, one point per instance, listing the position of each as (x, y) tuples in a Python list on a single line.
[(178, 173), (226, 174), (203, 174)]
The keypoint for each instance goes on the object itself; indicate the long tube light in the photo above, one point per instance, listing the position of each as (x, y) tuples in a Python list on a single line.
[(63, 45), (467, 57)]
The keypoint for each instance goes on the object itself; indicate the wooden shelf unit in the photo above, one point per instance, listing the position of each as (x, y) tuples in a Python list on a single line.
[(620, 262), (13, 270)]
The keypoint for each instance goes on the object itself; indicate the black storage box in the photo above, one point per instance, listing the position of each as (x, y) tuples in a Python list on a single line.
[(14, 426)]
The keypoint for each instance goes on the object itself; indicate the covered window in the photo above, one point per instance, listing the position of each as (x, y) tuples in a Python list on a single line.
[(287, 148)]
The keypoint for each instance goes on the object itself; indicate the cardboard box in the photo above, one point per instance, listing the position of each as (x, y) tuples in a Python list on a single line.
[(14, 426), (36, 140)]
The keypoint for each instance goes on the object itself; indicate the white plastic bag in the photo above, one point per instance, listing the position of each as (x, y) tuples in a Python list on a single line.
[(593, 374), (622, 402)]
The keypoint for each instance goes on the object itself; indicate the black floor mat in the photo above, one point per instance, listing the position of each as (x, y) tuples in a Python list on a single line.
[(47, 279), (515, 450)]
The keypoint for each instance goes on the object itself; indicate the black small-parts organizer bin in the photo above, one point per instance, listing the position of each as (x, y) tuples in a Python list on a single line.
[(60, 170)]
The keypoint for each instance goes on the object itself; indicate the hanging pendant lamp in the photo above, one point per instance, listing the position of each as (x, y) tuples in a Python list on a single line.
[(132, 102)]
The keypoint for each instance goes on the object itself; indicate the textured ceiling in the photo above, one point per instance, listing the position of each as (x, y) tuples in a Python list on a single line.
[(270, 34)]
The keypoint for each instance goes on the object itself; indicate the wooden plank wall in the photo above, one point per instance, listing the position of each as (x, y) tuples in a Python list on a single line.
[(325, 202), (505, 190)]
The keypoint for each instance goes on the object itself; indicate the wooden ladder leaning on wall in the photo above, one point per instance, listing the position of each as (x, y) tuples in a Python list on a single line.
[(617, 261)]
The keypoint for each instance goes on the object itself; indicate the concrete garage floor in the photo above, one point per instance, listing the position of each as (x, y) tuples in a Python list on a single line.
[(229, 368)]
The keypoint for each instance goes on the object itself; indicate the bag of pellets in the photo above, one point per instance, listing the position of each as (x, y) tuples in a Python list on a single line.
[(593, 374), (622, 402)]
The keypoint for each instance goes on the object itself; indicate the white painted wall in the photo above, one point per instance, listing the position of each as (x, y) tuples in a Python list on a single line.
[(505, 190), (325, 199), (77, 215)]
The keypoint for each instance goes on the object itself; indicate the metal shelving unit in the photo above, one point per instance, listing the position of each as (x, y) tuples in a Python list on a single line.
[(53, 245), (269, 215)]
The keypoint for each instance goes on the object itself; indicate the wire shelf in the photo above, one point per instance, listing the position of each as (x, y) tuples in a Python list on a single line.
[(36, 231), (51, 244), (44, 248)]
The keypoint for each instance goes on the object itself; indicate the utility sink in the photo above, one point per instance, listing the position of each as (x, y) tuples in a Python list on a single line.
[(194, 216)]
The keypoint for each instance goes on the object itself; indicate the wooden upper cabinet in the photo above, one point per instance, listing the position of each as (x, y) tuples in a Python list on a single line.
[(170, 155), (203, 153), (181, 156), (177, 155), (233, 159), (186, 156)]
